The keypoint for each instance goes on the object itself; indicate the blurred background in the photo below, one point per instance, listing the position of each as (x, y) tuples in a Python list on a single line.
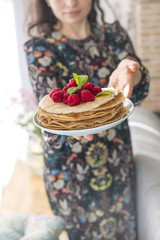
[(17, 104)]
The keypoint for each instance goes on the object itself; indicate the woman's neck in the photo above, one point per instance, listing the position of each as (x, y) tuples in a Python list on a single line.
[(78, 31)]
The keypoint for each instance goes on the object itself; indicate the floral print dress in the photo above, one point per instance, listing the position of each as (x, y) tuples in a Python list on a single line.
[(90, 184)]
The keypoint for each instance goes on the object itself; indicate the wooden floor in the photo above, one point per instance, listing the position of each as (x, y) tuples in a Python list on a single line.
[(25, 193)]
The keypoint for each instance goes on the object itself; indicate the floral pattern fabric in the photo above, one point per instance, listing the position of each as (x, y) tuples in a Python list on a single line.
[(90, 184)]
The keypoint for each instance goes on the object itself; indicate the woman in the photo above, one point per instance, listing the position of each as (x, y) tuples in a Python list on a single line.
[(90, 182)]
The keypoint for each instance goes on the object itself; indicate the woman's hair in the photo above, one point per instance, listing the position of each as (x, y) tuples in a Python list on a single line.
[(41, 18)]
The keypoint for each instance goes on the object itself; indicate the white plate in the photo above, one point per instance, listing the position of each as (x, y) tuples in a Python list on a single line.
[(127, 103)]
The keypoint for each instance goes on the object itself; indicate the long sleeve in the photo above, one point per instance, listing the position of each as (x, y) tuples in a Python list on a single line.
[(41, 62), (123, 48)]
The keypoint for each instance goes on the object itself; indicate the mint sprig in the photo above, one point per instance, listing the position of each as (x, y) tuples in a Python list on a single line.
[(73, 89), (104, 93), (80, 80)]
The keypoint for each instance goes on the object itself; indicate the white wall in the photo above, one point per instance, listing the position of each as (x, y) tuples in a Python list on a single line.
[(121, 9), (13, 140), (124, 11), (20, 7)]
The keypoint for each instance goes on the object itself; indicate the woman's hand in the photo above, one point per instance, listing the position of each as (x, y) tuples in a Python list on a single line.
[(125, 76), (89, 137)]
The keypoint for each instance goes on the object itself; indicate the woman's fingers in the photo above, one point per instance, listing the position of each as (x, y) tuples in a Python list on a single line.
[(89, 137), (123, 76), (128, 91), (133, 66), (78, 137), (102, 132)]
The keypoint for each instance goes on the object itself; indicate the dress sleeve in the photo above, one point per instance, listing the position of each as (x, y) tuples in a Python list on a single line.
[(123, 48), (41, 62)]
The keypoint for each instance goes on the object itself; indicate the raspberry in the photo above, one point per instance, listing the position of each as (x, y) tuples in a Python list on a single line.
[(88, 86), (72, 84), (93, 85), (87, 96), (57, 96), (78, 92), (73, 100), (96, 90), (65, 97), (65, 89), (72, 80), (53, 91)]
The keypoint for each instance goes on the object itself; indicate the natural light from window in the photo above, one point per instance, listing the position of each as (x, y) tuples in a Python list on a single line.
[(10, 83)]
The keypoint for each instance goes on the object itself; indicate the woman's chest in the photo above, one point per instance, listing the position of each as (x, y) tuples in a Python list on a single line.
[(97, 60)]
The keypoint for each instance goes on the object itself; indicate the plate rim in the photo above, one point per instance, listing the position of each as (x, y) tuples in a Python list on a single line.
[(82, 131)]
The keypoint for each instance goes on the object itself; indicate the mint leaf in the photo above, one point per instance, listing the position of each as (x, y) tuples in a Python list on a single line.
[(75, 75), (82, 79), (104, 93), (73, 90)]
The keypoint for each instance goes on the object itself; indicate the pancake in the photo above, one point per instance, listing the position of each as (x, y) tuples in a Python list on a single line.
[(103, 110), (77, 116), (60, 108)]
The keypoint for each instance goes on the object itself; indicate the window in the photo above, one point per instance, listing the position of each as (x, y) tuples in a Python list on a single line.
[(10, 79)]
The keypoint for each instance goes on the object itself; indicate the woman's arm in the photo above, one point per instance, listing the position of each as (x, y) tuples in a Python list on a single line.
[(41, 67), (134, 81), (126, 76), (41, 62)]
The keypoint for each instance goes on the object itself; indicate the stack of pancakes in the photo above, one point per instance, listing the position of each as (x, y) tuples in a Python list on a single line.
[(103, 110)]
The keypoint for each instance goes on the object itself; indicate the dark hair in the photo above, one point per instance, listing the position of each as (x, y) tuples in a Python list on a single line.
[(41, 18)]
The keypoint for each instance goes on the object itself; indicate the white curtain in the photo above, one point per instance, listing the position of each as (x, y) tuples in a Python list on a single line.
[(9, 62), (12, 68), (8, 45)]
